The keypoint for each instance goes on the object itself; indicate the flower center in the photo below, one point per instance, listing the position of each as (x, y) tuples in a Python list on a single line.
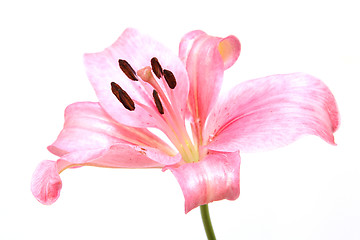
[(162, 105)]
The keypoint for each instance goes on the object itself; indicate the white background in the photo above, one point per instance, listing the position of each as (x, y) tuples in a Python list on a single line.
[(308, 190)]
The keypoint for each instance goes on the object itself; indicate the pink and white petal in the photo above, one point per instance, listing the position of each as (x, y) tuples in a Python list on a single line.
[(271, 112), (229, 49), (214, 178), (87, 126), (206, 59), (46, 182), (187, 42), (138, 49), (121, 156)]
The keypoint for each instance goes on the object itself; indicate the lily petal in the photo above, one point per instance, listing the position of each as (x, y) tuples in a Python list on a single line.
[(214, 178), (137, 49), (120, 156), (87, 126), (206, 58), (46, 182), (270, 112)]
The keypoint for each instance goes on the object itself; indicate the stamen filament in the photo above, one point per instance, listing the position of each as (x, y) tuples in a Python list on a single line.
[(179, 126), (139, 138), (173, 118), (168, 131)]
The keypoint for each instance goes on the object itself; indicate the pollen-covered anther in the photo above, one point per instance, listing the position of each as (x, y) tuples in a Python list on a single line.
[(170, 79), (158, 102), (122, 96), (156, 67), (127, 69)]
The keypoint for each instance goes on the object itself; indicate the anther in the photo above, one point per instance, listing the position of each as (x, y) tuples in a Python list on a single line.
[(127, 69), (170, 79), (158, 102), (156, 67), (122, 96)]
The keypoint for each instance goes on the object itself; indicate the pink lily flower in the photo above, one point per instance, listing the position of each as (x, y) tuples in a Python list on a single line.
[(141, 84)]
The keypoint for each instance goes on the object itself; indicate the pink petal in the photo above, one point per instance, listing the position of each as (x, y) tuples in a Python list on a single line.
[(91, 138), (138, 49), (206, 58), (214, 178), (121, 156), (46, 183), (87, 126), (187, 42), (229, 49), (270, 112)]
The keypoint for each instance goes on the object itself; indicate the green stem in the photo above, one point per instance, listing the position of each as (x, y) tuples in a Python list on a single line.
[(204, 209)]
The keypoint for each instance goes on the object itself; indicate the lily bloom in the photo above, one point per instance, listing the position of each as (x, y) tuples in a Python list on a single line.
[(142, 85)]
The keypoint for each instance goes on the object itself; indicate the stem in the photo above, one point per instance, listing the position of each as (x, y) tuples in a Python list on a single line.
[(204, 209)]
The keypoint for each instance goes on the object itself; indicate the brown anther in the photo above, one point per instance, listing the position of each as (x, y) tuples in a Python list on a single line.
[(170, 79), (127, 69), (122, 96), (158, 102), (156, 67)]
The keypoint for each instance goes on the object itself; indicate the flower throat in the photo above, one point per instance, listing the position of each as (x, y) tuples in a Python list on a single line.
[(172, 122)]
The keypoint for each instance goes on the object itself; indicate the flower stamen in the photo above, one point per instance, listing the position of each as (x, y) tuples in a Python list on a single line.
[(174, 127), (127, 69), (170, 78), (156, 67), (122, 96), (158, 102)]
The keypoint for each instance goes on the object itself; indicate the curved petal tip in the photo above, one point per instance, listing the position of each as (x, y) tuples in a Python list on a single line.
[(46, 183), (229, 49)]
